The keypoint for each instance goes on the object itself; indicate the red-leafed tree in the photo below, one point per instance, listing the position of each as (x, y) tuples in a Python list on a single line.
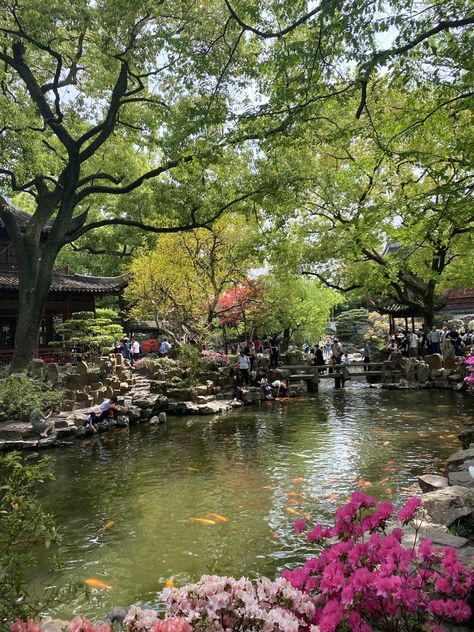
[(243, 305)]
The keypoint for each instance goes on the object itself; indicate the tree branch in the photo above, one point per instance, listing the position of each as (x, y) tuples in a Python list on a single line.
[(131, 186), (273, 34)]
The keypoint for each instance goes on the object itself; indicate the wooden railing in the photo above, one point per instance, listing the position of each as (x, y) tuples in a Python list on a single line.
[(48, 354), (315, 373)]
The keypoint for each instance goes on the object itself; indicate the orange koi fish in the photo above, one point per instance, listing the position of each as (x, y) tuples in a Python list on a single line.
[(218, 517), (384, 480), (333, 496), (268, 487), (108, 525), (290, 510), (386, 442), (389, 469), (293, 494), (298, 479), (192, 469), (202, 520), (169, 583), (96, 583), (389, 491)]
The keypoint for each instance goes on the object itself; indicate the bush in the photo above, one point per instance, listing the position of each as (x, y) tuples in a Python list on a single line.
[(365, 579), (25, 529), (89, 334), (20, 394), (351, 324), (378, 331), (150, 346)]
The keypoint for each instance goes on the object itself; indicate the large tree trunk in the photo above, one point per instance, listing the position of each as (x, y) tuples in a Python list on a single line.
[(35, 275)]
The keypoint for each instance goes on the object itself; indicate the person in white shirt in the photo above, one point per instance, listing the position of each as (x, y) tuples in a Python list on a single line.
[(413, 345), (244, 367), (135, 349), (434, 339)]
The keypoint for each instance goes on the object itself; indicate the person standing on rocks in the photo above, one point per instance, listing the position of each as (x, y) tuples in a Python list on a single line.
[(127, 354), (135, 350), (40, 423), (244, 367)]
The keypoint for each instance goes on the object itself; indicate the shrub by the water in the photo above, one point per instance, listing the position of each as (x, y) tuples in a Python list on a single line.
[(25, 531), (20, 394), (362, 580)]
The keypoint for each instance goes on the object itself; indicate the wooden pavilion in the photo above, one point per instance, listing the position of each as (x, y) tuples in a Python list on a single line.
[(69, 293)]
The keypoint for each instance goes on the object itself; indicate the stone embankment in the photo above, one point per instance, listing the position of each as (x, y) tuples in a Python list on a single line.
[(443, 371), (145, 395), (449, 502)]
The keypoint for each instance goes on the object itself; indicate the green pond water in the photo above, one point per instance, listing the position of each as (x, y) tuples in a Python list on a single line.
[(151, 481)]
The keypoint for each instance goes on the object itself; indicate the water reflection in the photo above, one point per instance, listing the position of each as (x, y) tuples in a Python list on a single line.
[(261, 468)]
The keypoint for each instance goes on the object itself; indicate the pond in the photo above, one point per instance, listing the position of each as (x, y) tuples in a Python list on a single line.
[(126, 500)]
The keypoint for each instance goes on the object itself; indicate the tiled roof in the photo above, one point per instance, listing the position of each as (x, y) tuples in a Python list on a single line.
[(71, 283)]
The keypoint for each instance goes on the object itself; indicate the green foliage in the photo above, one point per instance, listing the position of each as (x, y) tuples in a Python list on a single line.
[(25, 531), (90, 333), (350, 324), (19, 394), (378, 331), (191, 360)]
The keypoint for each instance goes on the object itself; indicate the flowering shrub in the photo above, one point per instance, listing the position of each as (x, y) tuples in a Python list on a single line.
[(215, 357), (469, 362), (364, 579), (223, 603), (78, 624), (150, 345)]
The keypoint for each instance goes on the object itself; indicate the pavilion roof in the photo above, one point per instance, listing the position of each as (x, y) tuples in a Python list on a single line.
[(70, 283)]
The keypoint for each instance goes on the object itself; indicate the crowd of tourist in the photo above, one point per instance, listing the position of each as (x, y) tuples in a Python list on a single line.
[(427, 341)]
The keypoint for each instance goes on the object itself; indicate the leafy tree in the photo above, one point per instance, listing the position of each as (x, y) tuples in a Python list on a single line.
[(25, 529), (121, 113), (379, 214), (179, 282), (111, 114), (243, 306), (298, 307), (90, 333)]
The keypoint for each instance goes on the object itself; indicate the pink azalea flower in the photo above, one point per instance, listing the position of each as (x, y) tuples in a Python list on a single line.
[(299, 525), (407, 512), (25, 626)]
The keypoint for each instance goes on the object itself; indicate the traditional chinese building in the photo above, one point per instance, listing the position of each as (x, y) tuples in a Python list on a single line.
[(69, 293)]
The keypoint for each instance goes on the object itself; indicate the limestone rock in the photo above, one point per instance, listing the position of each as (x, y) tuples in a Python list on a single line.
[(204, 399), (183, 408), (445, 506), (432, 482), (36, 369), (116, 615), (133, 413), (466, 437), (459, 458), (154, 421), (182, 394), (434, 361), (211, 408), (122, 421), (54, 375), (422, 372), (162, 418), (201, 390)]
